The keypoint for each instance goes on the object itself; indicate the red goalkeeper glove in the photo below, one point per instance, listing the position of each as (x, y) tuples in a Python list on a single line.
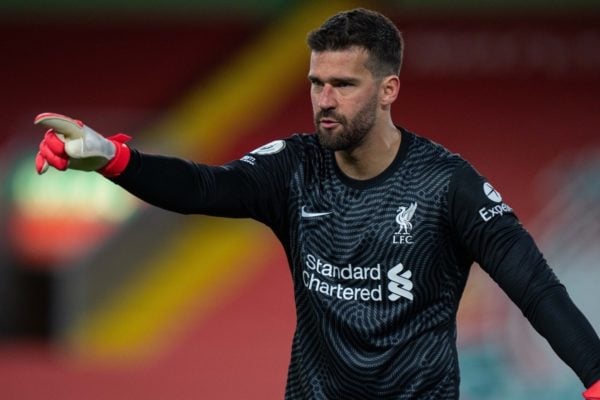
[(69, 143), (593, 392)]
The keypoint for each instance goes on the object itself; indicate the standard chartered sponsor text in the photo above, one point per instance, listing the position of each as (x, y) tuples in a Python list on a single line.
[(318, 276)]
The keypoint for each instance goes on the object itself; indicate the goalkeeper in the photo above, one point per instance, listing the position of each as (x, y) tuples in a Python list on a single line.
[(380, 227)]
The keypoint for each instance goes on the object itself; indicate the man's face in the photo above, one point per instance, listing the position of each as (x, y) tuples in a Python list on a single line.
[(344, 97)]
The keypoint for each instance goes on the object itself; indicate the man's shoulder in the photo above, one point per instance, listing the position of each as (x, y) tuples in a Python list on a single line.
[(306, 147), (428, 152), (304, 140), (287, 147)]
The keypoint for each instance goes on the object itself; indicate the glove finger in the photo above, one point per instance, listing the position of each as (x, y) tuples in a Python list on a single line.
[(62, 124), (56, 145), (41, 165), (58, 161)]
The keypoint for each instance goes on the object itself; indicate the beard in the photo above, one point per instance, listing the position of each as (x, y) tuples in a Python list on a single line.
[(353, 131)]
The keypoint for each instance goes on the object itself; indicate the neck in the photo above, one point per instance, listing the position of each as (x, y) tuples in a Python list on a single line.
[(373, 156)]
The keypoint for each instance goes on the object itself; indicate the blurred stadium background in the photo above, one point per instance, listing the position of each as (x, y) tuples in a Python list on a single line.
[(102, 297)]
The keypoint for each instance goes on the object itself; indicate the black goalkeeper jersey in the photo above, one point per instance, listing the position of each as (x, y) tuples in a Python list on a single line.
[(379, 265)]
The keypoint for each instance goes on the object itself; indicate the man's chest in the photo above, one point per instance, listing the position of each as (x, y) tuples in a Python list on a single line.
[(366, 245), (353, 224)]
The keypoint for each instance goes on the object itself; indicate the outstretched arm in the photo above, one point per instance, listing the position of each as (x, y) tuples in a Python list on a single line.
[(491, 235), (237, 189)]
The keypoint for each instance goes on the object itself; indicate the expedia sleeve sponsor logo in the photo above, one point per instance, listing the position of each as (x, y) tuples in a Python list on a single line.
[(328, 279), (491, 193), (496, 211), (487, 213)]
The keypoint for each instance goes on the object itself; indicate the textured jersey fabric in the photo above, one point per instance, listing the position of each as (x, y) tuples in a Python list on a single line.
[(378, 266)]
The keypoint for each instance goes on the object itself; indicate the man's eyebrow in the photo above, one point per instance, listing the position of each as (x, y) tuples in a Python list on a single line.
[(333, 80), (345, 80)]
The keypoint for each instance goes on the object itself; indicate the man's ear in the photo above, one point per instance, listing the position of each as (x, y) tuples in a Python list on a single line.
[(390, 87)]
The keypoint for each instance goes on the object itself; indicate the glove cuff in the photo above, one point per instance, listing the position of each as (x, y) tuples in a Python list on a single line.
[(593, 392), (122, 155)]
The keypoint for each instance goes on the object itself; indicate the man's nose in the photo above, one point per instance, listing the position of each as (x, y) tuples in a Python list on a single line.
[(327, 98)]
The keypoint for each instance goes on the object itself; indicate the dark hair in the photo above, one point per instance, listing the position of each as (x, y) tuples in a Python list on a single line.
[(363, 28)]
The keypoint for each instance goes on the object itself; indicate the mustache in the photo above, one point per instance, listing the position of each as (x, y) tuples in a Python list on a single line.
[(328, 113)]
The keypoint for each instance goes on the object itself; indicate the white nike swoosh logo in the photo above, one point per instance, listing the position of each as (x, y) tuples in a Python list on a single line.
[(306, 214)]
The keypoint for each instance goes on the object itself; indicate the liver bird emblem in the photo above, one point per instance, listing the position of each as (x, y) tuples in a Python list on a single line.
[(403, 218)]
